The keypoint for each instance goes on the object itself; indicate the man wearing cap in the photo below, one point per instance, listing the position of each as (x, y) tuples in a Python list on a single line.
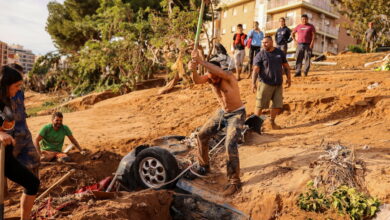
[(232, 113)]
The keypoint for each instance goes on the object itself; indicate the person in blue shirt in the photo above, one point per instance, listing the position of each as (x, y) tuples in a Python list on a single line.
[(24, 150), (256, 36)]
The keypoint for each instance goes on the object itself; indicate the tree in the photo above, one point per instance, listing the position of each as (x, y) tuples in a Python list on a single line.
[(68, 24), (360, 12)]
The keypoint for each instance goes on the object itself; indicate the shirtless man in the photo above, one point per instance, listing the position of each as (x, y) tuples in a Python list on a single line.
[(232, 113)]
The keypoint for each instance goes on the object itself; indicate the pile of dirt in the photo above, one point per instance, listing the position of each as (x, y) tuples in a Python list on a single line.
[(148, 204)]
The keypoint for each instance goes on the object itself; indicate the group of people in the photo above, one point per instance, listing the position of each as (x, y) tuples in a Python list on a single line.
[(283, 36), (269, 66), (23, 155)]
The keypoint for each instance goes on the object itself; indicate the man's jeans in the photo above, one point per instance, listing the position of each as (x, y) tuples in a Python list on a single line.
[(303, 53), (234, 122)]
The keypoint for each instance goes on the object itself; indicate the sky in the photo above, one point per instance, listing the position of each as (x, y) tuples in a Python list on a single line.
[(23, 22)]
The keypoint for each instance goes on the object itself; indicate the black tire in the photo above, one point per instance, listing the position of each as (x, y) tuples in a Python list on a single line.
[(162, 167)]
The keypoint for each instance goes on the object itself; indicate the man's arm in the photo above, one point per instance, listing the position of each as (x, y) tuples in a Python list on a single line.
[(74, 141), (286, 68), (36, 143), (293, 35), (213, 69), (313, 36), (255, 73), (192, 65)]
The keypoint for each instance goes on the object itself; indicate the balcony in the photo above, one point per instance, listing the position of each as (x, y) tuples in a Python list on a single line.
[(292, 22), (323, 6)]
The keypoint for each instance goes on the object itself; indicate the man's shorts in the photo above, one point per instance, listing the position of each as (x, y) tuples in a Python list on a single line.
[(239, 56), (266, 93)]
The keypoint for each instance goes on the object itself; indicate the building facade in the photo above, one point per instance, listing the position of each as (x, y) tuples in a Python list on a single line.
[(17, 54), (329, 37), (3, 53)]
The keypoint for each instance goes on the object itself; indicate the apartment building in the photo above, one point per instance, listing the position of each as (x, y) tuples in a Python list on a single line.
[(3, 53), (17, 54), (267, 12)]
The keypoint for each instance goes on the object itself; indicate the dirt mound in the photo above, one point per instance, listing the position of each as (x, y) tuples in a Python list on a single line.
[(350, 61), (335, 105), (148, 204)]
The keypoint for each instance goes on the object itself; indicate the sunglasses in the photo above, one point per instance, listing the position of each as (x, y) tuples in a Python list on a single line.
[(7, 119)]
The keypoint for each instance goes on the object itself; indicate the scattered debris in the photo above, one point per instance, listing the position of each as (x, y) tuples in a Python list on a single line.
[(61, 180), (373, 86), (332, 123), (386, 58), (339, 167), (325, 63), (322, 57)]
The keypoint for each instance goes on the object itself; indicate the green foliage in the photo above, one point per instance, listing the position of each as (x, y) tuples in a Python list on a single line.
[(45, 106), (356, 49), (312, 200), (358, 206), (69, 24), (117, 43), (346, 200), (360, 12)]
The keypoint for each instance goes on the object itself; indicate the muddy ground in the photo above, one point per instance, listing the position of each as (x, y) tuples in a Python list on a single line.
[(332, 104)]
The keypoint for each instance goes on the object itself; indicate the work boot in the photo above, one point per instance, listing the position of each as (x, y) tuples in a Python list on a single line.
[(274, 125), (231, 189)]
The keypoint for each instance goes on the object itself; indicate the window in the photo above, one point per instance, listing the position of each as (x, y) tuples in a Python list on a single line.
[(225, 14), (290, 14), (233, 28), (244, 26), (224, 31), (245, 9), (234, 11)]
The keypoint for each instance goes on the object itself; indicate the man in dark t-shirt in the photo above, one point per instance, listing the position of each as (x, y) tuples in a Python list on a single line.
[(268, 67), (306, 36)]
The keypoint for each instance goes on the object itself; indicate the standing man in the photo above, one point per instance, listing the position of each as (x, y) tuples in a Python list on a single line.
[(268, 66), (371, 37), (255, 36), (239, 49), (306, 35), (282, 36), (51, 138), (232, 113)]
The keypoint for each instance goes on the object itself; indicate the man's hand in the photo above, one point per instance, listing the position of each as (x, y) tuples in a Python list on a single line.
[(288, 82), (7, 139), (195, 56), (254, 87), (192, 65), (311, 45)]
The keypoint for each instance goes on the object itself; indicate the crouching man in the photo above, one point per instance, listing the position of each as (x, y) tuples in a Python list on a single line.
[(232, 113), (51, 138)]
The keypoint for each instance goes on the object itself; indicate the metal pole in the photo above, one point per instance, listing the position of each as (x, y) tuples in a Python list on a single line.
[(200, 21), (2, 180)]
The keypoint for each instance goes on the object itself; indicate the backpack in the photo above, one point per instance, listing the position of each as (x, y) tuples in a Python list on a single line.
[(240, 40)]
